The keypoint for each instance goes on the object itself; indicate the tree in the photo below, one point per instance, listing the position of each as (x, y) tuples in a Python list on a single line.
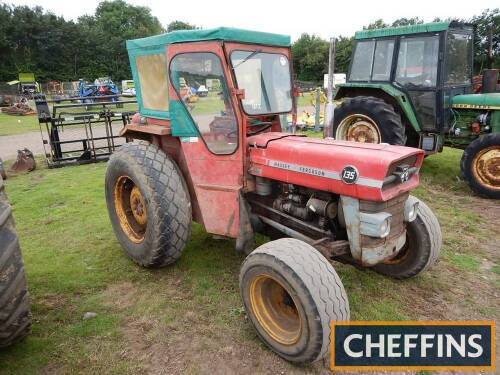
[(114, 22), (378, 24), (179, 25), (310, 57), (487, 25), (407, 21)]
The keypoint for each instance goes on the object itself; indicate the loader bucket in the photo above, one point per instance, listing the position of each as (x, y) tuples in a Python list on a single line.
[(25, 161)]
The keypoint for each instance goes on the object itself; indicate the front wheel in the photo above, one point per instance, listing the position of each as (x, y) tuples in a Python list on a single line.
[(422, 247), (480, 165), (148, 204), (291, 293), (369, 120)]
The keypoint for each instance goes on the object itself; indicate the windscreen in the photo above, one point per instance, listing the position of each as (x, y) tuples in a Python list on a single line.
[(266, 79)]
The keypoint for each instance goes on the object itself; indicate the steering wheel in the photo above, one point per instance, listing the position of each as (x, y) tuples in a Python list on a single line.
[(265, 125)]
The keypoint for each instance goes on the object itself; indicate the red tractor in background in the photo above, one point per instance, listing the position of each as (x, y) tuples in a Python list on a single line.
[(224, 162)]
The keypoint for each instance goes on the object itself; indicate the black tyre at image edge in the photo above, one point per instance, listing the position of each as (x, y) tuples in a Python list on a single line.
[(422, 248), (166, 200), (388, 122), (467, 165), (15, 316), (301, 289)]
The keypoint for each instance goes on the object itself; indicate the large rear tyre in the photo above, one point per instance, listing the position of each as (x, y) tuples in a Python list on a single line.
[(368, 119), (15, 317), (480, 166), (148, 204), (422, 247), (291, 293)]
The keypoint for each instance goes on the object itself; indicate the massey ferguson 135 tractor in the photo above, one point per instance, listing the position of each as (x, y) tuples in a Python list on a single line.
[(223, 161), (413, 85)]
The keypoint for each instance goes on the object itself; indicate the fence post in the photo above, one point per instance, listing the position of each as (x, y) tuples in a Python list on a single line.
[(318, 110)]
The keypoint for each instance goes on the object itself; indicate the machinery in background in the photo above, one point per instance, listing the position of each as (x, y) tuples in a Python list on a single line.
[(128, 88), (412, 85), (74, 134), (26, 85)]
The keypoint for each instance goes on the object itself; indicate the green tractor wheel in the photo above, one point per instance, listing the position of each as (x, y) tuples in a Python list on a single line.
[(369, 120), (480, 165)]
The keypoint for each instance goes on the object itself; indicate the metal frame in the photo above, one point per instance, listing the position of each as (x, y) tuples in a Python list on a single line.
[(53, 122)]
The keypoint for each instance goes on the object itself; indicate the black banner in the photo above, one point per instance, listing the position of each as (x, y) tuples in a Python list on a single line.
[(413, 345)]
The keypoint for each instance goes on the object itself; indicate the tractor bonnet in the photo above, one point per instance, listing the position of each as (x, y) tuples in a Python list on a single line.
[(362, 170)]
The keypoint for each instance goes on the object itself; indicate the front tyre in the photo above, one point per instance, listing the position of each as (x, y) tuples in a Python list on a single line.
[(291, 293), (480, 165), (369, 120), (422, 247), (148, 204)]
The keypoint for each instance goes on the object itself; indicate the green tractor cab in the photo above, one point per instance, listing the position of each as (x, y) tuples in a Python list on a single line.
[(412, 85)]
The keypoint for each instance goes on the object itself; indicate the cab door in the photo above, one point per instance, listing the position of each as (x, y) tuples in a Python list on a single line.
[(208, 128)]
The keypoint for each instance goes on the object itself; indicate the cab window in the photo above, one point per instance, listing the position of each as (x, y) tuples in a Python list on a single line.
[(199, 81), (362, 63), (153, 81), (418, 61), (458, 68)]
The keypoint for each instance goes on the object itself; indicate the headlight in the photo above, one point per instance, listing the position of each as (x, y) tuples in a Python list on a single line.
[(375, 225), (411, 209)]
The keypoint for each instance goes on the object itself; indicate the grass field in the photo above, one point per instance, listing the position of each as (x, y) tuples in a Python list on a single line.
[(188, 318)]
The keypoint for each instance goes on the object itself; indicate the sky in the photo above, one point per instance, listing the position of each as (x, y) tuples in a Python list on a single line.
[(323, 18)]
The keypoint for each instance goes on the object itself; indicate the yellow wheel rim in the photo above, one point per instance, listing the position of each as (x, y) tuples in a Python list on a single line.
[(358, 128), (130, 208), (275, 310), (486, 167)]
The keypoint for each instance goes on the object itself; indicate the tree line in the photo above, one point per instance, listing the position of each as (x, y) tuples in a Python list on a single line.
[(34, 40)]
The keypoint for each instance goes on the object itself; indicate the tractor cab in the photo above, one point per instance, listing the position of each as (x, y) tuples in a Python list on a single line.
[(418, 68), (219, 78), (412, 85)]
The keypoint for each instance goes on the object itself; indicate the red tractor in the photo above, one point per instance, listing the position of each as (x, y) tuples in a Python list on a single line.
[(224, 162)]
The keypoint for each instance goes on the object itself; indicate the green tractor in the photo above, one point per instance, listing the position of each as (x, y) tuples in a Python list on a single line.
[(412, 85)]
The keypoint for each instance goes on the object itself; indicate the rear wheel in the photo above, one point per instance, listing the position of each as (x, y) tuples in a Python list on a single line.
[(422, 247), (368, 119), (291, 293), (148, 204), (480, 165), (15, 317)]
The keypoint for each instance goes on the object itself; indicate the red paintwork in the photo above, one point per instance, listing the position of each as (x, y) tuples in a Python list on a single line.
[(216, 179), (371, 160)]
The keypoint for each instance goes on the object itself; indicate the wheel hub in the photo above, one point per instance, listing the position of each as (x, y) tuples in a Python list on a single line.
[(130, 208), (137, 205), (486, 167), (358, 128), (275, 310)]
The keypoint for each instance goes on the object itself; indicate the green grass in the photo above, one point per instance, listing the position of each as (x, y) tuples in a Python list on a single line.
[(74, 264), (10, 125)]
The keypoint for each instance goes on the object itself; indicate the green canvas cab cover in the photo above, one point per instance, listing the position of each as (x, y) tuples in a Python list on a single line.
[(219, 33)]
